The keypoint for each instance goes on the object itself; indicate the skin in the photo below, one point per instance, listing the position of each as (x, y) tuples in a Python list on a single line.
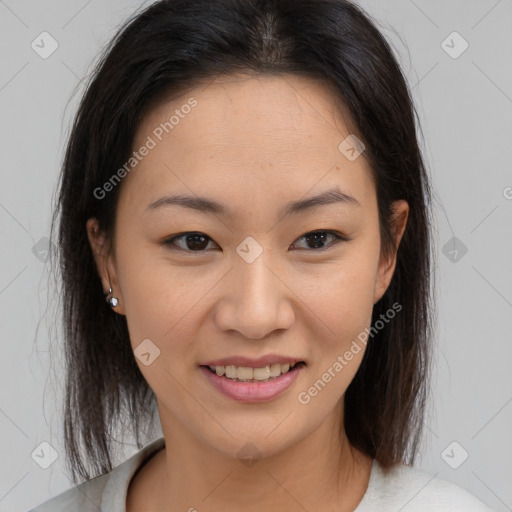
[(252, 144)]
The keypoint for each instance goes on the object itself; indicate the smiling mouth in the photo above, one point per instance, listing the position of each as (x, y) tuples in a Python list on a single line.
[(249, 374)]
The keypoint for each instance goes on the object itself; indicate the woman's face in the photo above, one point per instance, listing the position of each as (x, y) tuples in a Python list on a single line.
[(252, 286)]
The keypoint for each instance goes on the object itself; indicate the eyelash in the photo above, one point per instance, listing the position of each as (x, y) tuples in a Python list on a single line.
[(169, 242)]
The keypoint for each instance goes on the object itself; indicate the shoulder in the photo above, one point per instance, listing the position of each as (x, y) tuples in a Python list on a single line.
[(105, 492), (84, 497), (409, 489)]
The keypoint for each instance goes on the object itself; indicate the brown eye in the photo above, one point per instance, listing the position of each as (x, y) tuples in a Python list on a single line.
[(190, 242), (198, 242), (318, 239)]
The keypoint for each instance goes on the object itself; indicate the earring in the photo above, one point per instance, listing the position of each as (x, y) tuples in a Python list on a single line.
[(113, 301)]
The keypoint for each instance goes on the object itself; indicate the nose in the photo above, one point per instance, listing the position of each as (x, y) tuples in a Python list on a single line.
[(256, 299)]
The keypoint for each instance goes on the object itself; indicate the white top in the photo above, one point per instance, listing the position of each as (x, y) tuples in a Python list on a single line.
[(403, 488)]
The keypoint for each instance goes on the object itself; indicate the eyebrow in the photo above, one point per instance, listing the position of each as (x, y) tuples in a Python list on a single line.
[(210, 206)]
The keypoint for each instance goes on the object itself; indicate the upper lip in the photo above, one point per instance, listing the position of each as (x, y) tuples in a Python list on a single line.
[(259, 362)]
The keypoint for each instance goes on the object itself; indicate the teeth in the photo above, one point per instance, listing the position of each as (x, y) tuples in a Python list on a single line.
[(246, 373)]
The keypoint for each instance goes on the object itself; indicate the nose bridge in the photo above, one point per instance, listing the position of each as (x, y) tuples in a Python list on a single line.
[(255, 284), (256, 301)]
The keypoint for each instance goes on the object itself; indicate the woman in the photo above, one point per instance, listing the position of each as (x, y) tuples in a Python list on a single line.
[(244, 183)]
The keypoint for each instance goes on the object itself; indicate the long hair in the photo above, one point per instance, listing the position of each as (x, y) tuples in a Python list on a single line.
[(165, 50)]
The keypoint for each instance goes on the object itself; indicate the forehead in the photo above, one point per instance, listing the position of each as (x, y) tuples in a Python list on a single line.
[(248, 135), (242, 108)]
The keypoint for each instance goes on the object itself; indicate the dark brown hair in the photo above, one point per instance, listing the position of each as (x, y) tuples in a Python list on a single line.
[(165, 50)]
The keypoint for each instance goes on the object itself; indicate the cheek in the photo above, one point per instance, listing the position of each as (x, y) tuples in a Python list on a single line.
[(160, 304), (341, 296), (166, 304), (165, 301), (344, 306), (147, 292), (160, 308)]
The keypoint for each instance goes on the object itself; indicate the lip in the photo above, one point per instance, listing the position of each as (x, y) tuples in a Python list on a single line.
[(260, 362), (251, 392)]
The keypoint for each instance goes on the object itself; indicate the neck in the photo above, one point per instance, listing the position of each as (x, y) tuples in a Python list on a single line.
[(321, 472)]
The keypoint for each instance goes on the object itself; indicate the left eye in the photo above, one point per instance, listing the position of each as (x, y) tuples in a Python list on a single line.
[(317, 238), (197, 242)]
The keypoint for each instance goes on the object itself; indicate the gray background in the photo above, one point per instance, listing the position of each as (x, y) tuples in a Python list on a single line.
[(465, 104)]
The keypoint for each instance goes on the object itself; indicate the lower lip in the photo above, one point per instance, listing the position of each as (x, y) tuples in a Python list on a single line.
[(253, 391)]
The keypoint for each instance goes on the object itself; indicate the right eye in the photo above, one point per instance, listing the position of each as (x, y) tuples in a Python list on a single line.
[(191, 241)]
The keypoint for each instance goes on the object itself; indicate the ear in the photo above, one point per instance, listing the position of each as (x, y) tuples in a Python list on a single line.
[(387, 263), (104, 262)]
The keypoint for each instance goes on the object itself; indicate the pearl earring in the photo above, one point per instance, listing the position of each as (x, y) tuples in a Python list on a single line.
[(113, 301)]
